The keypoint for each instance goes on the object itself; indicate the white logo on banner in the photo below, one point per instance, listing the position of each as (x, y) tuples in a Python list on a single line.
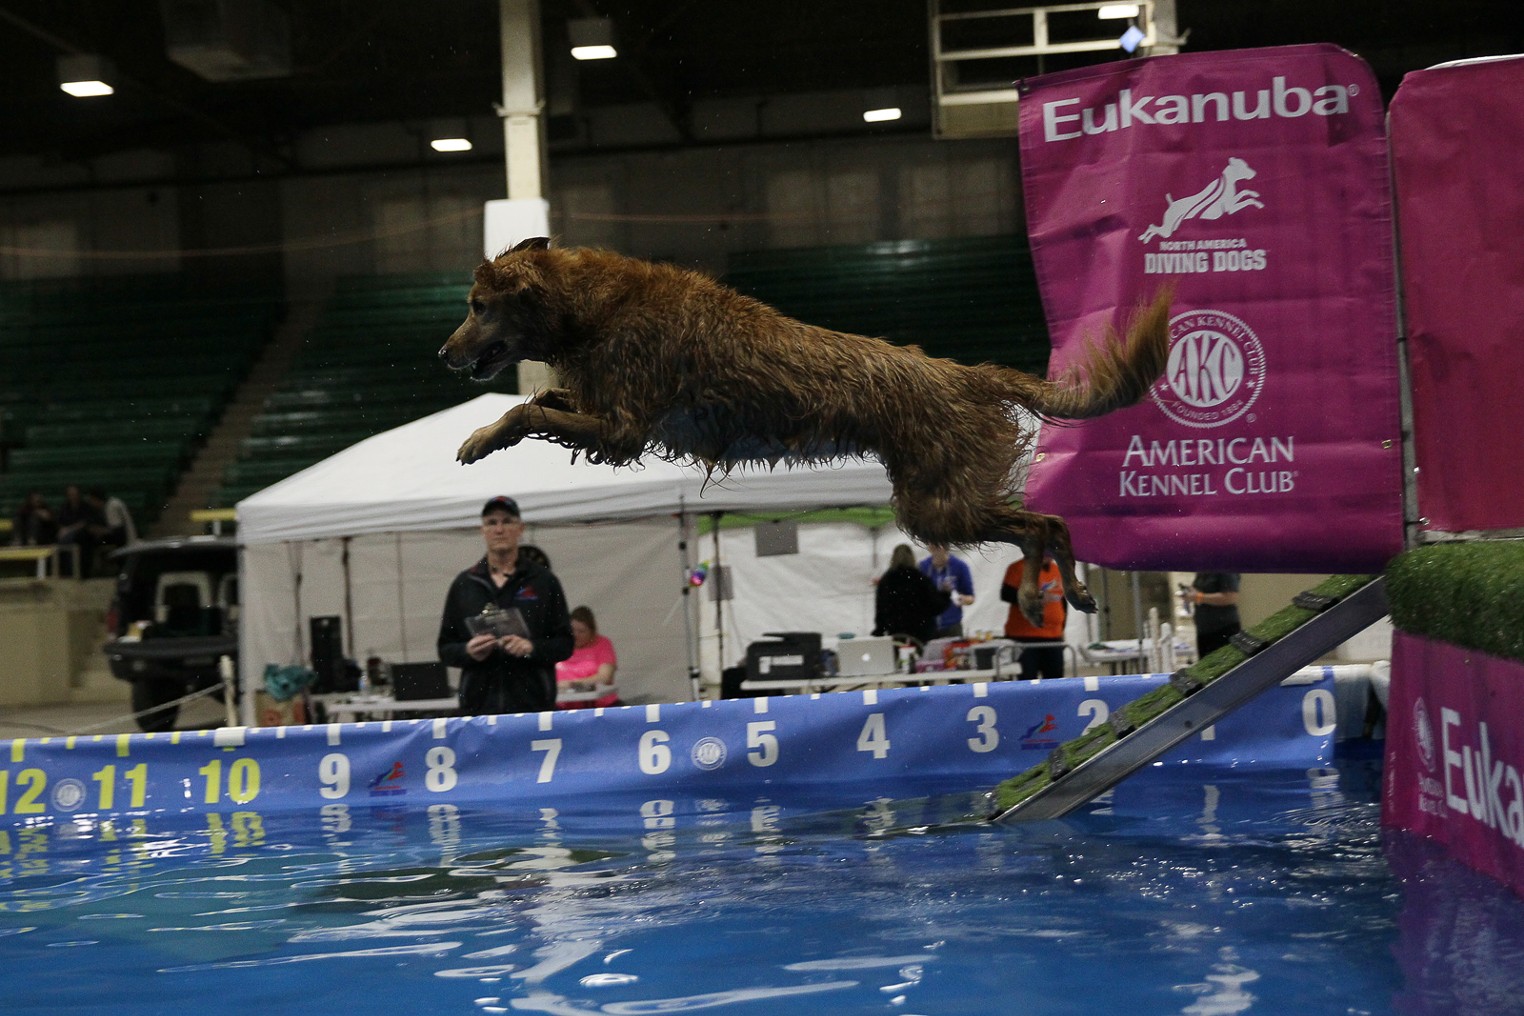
[(1217, 199), (1423, 734), (1216, 369)]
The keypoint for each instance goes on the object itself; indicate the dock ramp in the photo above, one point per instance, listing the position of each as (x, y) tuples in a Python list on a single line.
[(1138, 733)]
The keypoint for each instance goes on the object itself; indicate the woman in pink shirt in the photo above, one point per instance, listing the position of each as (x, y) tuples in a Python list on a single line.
[(591, 665)]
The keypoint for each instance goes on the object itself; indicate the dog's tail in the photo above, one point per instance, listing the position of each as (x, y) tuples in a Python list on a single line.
[(1114, 371)]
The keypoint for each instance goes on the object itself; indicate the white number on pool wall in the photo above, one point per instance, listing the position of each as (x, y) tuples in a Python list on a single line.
[(1319, 718), (761, 743), (655, 756), (983, 719), (1097, 710), (874, 737), (440, 776), (551, 746), (333, 771)]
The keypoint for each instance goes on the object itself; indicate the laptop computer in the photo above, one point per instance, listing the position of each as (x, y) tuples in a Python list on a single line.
[(865, 657), (414, 681)]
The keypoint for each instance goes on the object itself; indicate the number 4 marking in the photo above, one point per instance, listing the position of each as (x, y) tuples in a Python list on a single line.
[(874, 737)]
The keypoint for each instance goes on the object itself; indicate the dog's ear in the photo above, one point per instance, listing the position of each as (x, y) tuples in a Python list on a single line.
[(533, 243)]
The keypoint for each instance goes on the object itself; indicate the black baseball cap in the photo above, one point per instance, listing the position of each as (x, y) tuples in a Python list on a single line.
[(501, 503)]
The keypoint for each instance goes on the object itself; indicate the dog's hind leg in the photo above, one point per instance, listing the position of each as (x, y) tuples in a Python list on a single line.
[(1036, 533)]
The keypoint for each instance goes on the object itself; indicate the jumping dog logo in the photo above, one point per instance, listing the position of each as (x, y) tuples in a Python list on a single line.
[(1217, 199)]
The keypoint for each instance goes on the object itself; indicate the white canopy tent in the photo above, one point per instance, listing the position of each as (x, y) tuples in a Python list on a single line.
[(375, 534)]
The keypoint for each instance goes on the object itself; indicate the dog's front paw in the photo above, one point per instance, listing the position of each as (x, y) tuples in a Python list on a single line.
[(485, 441)]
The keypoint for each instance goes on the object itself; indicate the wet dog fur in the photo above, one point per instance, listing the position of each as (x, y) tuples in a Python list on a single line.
[(657, 360)]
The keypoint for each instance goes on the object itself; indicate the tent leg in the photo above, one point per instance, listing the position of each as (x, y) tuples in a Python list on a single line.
[(694, 682)]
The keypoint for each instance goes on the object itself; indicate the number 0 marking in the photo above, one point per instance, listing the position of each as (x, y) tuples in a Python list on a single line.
[(1319, 716)]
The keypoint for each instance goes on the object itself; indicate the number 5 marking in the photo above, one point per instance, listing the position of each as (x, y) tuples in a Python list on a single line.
[(761, 744)]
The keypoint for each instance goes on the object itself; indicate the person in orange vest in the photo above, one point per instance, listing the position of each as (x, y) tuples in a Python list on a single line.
[(1046, 660)]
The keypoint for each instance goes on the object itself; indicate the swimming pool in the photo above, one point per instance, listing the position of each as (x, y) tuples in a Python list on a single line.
[(1185, 891), (796, 854)]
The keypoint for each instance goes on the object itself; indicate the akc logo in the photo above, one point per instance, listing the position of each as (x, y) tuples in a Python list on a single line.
[(1216, 370), (708, 753), (1423, 734)]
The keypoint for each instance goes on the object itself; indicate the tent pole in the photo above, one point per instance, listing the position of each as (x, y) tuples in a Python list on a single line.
[(719, 591), (687, 564)]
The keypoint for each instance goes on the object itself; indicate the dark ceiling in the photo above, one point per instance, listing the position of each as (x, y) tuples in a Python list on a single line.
[(383, 60)]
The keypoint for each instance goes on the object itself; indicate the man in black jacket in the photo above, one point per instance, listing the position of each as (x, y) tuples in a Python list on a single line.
[(510, 673)]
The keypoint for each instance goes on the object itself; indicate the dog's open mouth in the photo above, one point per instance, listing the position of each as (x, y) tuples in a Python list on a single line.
[(493, 359)]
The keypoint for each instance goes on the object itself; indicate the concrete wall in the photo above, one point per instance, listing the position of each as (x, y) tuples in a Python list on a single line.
[(50, 632), (370, 200)]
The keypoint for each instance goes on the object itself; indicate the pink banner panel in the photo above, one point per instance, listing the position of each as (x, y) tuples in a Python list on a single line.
[(1457, 151), (1256, 183), (1454, 751)]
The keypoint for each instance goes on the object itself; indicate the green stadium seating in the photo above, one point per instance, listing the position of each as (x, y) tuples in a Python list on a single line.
[(114, 381)]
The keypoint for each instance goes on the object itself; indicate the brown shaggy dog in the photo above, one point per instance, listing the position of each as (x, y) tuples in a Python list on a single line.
[(657, 360)]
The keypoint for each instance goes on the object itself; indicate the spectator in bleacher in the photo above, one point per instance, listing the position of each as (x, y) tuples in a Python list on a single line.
[(116, 528), (907, 602), (34, 524), (77, 520), (590, 666)]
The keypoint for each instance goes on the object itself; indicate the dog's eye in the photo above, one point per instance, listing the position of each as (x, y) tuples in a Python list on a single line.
[(478, 307)]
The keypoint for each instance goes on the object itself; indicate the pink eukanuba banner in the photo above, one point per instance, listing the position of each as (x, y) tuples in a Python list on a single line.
[(1454, 753), (1256, 183)]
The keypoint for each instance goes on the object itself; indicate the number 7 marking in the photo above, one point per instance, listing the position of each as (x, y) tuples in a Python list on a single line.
[(552, 749)]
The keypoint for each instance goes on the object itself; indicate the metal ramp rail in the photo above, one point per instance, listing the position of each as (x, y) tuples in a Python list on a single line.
[(1067, 785)]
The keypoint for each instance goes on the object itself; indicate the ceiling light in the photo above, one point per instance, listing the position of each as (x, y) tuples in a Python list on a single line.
[(451, 144), (591, 39), (1118, 11), (84, 75), (881, 115)]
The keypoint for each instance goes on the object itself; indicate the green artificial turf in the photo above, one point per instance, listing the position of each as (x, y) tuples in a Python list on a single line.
[(1468, 594)]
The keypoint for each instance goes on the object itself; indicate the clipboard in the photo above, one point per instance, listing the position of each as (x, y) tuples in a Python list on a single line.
[(498, 622)]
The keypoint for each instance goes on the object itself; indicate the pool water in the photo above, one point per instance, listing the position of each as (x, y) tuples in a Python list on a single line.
[(1187, 890)]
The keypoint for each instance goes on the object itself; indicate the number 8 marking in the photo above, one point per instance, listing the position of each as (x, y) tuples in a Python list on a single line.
[(440, 776)]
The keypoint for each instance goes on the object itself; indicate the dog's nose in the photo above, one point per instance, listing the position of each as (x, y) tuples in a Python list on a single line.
[(444, 352)]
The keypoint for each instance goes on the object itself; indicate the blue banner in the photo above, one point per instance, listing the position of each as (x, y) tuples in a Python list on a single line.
[(973, 735)]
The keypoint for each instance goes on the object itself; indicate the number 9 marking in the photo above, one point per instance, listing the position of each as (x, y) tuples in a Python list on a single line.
[(333, 771)]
